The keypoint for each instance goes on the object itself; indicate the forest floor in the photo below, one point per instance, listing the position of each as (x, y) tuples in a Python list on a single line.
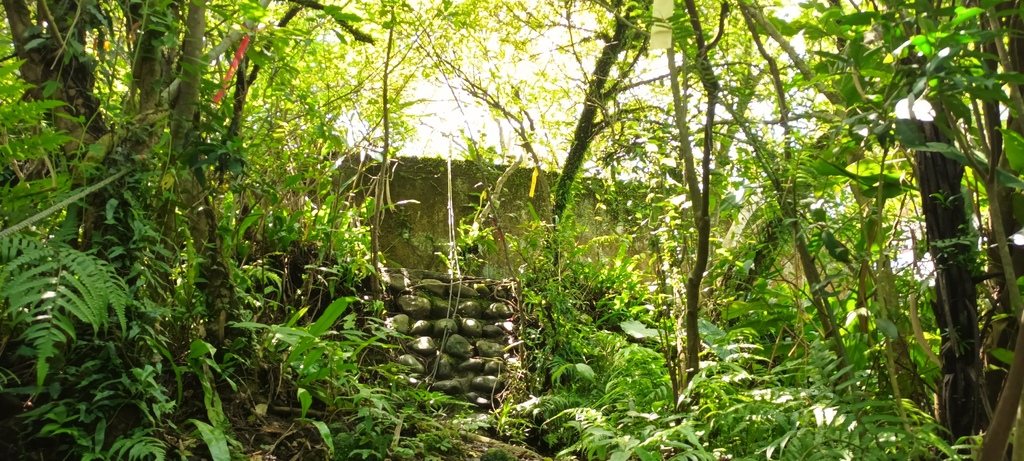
[(280, 439), (277, 434)]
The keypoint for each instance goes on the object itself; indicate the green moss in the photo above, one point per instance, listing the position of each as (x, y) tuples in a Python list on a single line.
[(497, 454)]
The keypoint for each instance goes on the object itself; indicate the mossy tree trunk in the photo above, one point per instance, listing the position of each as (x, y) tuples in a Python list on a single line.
[(587, 125)]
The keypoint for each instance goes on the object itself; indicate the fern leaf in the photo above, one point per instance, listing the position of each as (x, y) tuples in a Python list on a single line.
[(44, 338)]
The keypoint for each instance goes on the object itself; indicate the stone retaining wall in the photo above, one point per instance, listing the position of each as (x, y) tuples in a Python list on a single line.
[(461, 331)]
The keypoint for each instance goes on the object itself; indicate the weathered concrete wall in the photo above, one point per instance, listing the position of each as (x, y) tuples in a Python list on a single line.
[(416, 229)]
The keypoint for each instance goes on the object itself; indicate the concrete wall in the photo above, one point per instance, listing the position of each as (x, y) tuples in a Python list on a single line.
[(417, 228)]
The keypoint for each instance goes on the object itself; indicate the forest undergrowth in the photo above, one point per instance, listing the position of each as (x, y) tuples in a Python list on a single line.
[(319, 382)]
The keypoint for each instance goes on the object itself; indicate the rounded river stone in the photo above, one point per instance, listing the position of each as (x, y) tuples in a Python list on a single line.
[(443, 326), (471, 328), (493, 332), (482, 290), (464, 381), (397, 282), (424, 345), (470, 309), (488, 384), (459, 346), (478, 399), (498, 311), (439, 309), (494, 367), (417, 307), (400, 323), (422, 327), (450, 387), (434, 286), (412, 362), (461, 290), (490, 349), (473, 365), (443, 367)]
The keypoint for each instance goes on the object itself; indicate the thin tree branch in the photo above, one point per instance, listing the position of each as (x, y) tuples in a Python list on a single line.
[(357, 34)]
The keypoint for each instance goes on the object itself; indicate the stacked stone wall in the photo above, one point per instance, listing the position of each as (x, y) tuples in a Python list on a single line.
[(460, 332)]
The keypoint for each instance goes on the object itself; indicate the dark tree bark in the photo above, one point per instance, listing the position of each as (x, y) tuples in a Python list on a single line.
[(1002, 334), (586, 126), (52, 61), (960, 408)]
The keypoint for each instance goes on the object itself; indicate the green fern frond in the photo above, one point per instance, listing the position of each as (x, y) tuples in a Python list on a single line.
[(138, 446), (46, 286), (45, 338)]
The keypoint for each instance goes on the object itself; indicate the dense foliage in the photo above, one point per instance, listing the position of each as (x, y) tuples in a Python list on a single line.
[(814, 209)]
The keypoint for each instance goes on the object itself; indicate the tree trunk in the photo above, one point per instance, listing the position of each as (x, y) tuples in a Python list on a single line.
[(960, 406), (586, 126), (1002, 333)]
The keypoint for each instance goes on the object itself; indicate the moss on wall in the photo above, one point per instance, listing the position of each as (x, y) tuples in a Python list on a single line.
[(416, 230)]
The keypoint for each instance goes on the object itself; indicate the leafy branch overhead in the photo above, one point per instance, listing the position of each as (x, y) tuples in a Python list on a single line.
[(343, 19)]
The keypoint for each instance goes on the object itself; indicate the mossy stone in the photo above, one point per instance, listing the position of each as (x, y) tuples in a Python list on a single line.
[(463, 291), (494, 367), (478, 399), (436, 287), (449, 386), (439, 309), (459, 346), (397, 282), (498, 311), (400, 323), (473, 365), (414, 364), (493, 332), (482, 290), (490, 349), (471, 328), (469, 309), (422, 327), (445, 326), (416, 307), (488, 384), (497, 454), (443, 368), (424, 345)]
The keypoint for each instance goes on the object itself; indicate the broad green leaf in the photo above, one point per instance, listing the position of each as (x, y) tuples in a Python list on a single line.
[(326, 320), (1014, 144), (1004, 355), (834, 247), (340, 15), (887, 328), (909, 133), (325, 432), (252, 10), (620, 456), (215, 440), (859, 19), (645, 455), (1008, 179), (637, 330), (963, 14), (200, 348), (585, 371), (305, 400)]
